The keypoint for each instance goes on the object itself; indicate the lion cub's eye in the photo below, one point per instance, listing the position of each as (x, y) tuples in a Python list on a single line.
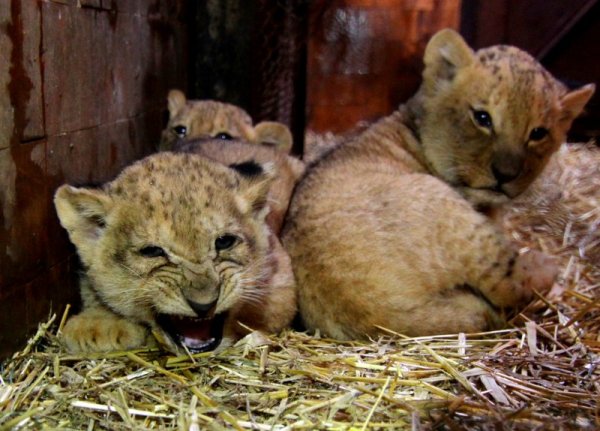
[(225, 242), (483, 119), (152, 251), (180, 131), (538, 134), (224, 136)]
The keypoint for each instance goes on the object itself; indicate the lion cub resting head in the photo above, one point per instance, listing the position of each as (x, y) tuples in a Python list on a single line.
[(382, 231), (488, 121), (176, 244), (224, 132), (193, 119)]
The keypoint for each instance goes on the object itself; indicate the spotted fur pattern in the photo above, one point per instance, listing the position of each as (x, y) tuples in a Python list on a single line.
[(289, 168)]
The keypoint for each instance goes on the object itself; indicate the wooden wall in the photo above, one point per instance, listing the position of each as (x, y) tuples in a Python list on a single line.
[(82, 93), (365, 56), (252, 53)]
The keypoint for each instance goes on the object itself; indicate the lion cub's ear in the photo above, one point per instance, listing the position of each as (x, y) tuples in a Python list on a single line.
[(82, 212), (176, 101), (255, 182), (573, 102), (445, 53), (274, 134)]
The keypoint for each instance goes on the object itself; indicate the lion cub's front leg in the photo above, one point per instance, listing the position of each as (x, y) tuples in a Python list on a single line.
[(99, 330)]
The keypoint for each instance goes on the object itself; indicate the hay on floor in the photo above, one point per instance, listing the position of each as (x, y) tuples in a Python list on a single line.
[(544, 371)]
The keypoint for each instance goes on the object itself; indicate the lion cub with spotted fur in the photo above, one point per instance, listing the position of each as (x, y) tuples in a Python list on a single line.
[(205, 119), (383, 232), (224, 133), (176, 245)]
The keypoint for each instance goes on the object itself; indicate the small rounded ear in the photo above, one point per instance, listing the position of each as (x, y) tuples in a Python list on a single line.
[(274, 134), (445, 53), (176, 101), (82, 212), (572, 104), (255, 183)]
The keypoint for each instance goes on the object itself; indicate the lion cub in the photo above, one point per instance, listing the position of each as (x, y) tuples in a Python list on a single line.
[(224, 133), (382, 232), (191, 119), (177, 244), (240, 153)]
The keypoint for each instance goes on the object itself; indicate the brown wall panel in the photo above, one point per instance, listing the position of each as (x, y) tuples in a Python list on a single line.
[(82, 94), (365, 56)]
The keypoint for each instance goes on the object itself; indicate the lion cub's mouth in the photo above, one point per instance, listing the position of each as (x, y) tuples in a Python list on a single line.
[(195, 334)]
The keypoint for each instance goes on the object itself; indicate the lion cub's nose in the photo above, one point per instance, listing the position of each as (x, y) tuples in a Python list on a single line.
[(506, 167), (504, 176), (202, 310)]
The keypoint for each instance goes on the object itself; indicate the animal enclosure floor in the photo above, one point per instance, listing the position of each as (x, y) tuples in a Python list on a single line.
[(543, 371)]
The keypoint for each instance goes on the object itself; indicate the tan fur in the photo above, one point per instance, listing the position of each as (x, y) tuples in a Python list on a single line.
[(382, 232), (289, 169), (182, 203), (268, 141), (193, 119)]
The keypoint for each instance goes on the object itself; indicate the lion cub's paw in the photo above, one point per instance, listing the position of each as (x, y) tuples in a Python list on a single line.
[(536, 271), (532, 271), (95, 332)]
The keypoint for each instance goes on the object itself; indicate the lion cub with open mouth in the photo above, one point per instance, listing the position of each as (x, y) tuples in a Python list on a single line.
[(176, 245), (383, 232)]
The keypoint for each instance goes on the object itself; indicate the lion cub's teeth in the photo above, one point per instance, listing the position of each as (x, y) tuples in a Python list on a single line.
[(192, 343)]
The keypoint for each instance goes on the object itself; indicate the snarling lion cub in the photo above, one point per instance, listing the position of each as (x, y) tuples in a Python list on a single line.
[(383, 232), (176, 245)]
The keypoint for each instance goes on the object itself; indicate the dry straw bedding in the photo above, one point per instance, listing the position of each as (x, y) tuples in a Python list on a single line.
[(541, 373)]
